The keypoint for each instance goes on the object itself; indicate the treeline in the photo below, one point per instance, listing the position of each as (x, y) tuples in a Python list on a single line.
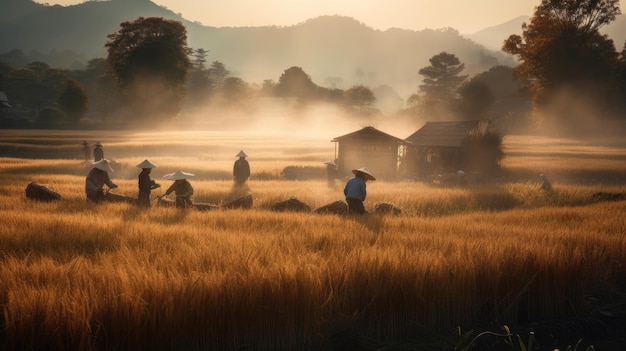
[(568, 76)]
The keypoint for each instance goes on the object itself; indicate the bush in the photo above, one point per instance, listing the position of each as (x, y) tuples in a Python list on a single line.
[(483, 151)]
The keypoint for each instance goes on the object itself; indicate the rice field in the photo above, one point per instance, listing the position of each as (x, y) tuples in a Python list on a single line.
[(457, 262)]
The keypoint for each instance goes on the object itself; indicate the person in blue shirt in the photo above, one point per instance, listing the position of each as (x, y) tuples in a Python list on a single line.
[(355, 190)]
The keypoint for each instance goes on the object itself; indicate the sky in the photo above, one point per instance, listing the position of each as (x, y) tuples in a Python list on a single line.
[(467, 16)]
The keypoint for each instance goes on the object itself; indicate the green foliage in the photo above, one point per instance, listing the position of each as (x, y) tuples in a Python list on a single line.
[(561, 50), (440, 84), (35, 85), (149, 59), (73, 100)]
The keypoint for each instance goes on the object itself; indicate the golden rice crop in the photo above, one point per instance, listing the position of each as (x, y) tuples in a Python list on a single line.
[(78, 275)]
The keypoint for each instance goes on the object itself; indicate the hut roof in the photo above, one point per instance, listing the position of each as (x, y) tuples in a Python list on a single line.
[(442, 134), (368, 133)]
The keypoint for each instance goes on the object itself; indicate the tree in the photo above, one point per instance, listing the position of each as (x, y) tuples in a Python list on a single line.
[(149, 59), (562, 53), (235, 90), (198, 82), (476, 100), (35, 85), (217, 73), (73, 100), (294, 82), (360, 100), (198, 59), (511, 100), (440, 84), (268, 87)]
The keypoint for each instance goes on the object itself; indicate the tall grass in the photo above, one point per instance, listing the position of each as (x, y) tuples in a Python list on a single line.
[(76, 275)]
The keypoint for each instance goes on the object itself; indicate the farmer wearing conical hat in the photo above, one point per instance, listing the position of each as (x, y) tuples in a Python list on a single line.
[(145, 183), (98, 153), (241, 169), (181, 187), (96, 179), (355, 190)]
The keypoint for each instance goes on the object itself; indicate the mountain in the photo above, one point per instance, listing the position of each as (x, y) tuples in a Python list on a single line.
[(80, 28), (493, 37), (326, 48)]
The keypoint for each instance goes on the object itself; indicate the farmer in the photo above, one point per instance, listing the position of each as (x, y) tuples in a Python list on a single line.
[(181, 187), (98, 153), (355, 190), (241, 169), (86, 151), (145, 183), (96, 179)]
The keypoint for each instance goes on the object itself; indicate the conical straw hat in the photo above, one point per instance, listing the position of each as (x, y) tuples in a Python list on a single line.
[(241, 154), (178, 175), (103, 165), (147, 164), (364, 171)]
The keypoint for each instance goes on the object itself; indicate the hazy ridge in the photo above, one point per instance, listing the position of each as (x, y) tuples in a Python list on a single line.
[(324, 47)]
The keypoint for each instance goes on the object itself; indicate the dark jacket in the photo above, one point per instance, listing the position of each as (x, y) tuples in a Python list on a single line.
[(241, 170)]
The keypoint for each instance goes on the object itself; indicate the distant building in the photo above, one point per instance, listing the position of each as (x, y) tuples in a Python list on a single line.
[(437, 147), (371, 148)]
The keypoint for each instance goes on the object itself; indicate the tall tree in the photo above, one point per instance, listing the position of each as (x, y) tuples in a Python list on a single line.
[(441, 81), (149, 59), (562, 53), (217, 74), (198, 59), (198, 82)]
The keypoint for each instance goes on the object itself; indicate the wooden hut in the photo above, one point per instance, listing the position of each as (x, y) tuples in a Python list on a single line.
[(437, 147), (371, 148)]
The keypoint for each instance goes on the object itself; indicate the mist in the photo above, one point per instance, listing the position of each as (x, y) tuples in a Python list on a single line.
[(289, 116), (575, 114)]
